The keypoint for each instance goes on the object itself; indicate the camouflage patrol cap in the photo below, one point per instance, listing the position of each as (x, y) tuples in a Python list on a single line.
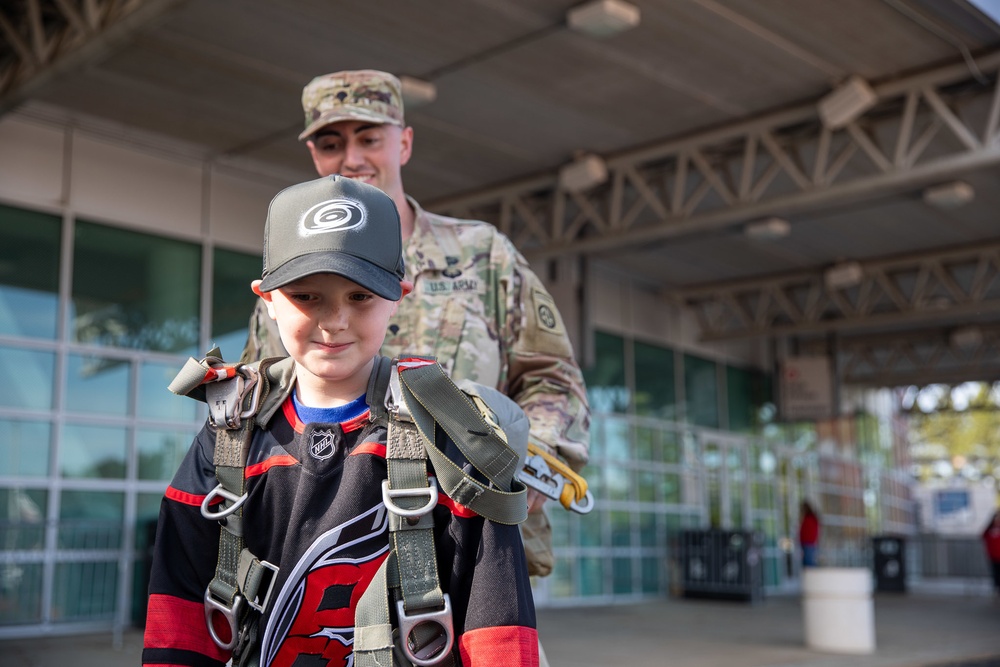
[(334, 225), (365, 95)]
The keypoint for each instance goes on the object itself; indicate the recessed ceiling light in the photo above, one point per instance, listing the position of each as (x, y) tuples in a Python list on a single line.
[(603, 18), (949, 195), (583, 173), (417, 92), (770, 229), (846, 103), (843, 275)]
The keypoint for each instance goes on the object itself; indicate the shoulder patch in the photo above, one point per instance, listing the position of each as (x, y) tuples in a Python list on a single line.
[(546, 313)]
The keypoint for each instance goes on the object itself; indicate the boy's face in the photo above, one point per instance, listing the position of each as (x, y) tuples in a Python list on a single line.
[(333, 328), (364, 151)]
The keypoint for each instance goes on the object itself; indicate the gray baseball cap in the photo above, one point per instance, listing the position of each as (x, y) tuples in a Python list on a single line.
[(334, 225)]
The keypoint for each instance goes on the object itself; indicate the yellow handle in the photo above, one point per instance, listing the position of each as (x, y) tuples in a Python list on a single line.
[(575, 488)]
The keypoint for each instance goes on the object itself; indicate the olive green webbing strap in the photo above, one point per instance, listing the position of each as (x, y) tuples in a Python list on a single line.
[(231, 447), (433, 399)]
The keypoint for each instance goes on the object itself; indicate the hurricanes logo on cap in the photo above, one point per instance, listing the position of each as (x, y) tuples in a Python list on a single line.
[(334, 215)]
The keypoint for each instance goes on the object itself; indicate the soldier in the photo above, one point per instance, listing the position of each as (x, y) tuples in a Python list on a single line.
[(476, 306)]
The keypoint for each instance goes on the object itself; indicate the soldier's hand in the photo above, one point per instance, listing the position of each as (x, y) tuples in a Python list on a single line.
[(535, 500)]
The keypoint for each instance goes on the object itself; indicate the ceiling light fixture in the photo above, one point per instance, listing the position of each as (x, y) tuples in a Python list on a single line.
[(583, 173), (949, 195), (770, 229), (603, 18), (417, 92), (966, 338), (846, 103), (843, 275)]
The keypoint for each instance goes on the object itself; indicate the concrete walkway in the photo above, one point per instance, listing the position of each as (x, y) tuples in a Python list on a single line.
[(911, 631)]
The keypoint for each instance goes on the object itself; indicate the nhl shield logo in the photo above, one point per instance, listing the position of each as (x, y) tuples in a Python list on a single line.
[(323, 445)]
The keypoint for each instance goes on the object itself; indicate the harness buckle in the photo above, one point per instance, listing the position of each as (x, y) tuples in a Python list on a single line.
[(226, 494), (225, 398), (270, 572), (439, 647), (393, 403), (231, 614), (431, 491)]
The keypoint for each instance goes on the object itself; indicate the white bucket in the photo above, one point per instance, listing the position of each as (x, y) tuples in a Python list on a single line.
[(838, 610)]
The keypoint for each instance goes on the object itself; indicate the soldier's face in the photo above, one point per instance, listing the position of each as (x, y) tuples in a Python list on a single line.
[(364, 151)]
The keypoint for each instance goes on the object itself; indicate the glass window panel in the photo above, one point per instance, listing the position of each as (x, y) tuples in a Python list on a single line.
[(97, 385), (747, 397), (34, 371), (22, 526), (701, 391), (591, 576), (621, 529), (149, 301), (606, 388), (561, 580), (232, 299), (85, 591), (646, 485), (671, 447), (147, 511), (91, 519), (92, 452), (645, 445), (617, 443), (651, 575), (161, 452), (25, 448), (619, 482), (670, 488), (648, 534), (29, 273), (22, 593), (156, 401), (655, 394), (622, 576), (590, 529)]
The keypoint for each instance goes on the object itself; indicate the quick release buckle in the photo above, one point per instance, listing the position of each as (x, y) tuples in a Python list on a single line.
[(231, 614), (439, 647), (393, 401)]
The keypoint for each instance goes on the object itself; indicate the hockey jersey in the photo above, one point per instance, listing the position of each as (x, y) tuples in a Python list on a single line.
[(315, 509)]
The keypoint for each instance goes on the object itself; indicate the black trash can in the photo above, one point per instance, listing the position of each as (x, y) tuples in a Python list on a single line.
[(721, 564), (889, 563)]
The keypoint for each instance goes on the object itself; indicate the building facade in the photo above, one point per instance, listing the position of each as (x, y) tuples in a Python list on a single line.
[(123, 254)]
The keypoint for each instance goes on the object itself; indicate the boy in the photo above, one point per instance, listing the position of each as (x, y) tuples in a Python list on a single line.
[(333, 275)]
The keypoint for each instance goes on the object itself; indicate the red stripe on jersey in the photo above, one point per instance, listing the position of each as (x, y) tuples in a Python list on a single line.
[(456, 508), (288, 407), (268, 463), (505, 645), (186, 498), (173, 623), (373, 448), (353, 424)]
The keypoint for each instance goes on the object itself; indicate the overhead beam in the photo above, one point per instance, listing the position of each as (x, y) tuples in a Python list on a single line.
[(923, 128), (919, 357), (937, 286), (50, 38)]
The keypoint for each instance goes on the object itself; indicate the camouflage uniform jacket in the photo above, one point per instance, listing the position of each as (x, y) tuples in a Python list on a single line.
[(481, 311)]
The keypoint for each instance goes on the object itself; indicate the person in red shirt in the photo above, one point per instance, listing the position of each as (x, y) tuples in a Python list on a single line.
[(991, 540), (809, 535)]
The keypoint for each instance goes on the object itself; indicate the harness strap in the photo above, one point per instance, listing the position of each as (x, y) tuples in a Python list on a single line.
[(475, 432)]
